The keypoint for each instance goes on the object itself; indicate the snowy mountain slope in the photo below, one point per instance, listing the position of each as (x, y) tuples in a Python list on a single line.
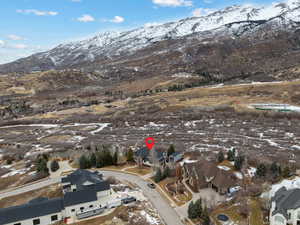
[(234, 20)]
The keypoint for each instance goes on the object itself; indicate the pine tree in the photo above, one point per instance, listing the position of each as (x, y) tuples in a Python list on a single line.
[(286, 172), (93, 160), (129, 156), (274, 169), (166, 172), (261, 170), (238, 162), (231, 155), (115, 158), (198, 208), (205, 217), (221, 157), (54, 166), (158, 176), (83, 162), (192, 212), (171, 150)]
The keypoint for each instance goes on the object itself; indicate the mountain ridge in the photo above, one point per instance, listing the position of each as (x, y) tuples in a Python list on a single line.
[(230, 22)]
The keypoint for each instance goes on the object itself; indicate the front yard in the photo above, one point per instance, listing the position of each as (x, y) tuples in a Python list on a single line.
[(142, 171), (179, 199)]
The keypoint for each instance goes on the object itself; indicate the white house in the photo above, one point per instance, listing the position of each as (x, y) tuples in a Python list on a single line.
[(285, 208), (85, 193)]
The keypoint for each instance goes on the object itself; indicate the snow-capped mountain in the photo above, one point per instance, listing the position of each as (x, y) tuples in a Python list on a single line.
[(230, 21)]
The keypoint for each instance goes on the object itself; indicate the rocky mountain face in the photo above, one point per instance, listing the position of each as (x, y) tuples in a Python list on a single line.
[(223, 45)]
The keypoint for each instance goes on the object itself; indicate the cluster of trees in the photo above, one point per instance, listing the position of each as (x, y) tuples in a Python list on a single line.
[(41, 164), (98, 159), (54, 166), (197, 211), (171, 150), (159, 175), (275, 170), (231, 156)]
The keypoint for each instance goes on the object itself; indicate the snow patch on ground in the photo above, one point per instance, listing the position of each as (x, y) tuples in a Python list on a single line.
[(251, 171), (224, 168), (150, 219), (102, 126), (239, 175)]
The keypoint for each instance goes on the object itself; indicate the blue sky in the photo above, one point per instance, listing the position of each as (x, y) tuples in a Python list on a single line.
[(29, 26)]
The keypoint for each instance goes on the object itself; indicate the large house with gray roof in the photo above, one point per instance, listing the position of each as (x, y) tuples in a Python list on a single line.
[(85, 194), (285, 208)]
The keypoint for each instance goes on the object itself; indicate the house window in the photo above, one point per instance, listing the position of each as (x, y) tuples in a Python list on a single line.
[(36, 222), (91, 206), (54, 218), (81, 208), (17, 224), (289, 216), (72, 210)]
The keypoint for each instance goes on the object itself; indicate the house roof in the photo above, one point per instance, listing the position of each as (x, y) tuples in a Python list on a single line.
[(78, 197), (80, 177), (36, 208), (206, 171), (285, 200), (144, 153), (43, 206)]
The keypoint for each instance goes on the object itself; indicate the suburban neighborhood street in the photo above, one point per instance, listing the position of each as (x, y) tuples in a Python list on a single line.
[(167, 213)]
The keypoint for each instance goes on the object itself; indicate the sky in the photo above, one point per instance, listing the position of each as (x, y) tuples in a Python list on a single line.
[(30, 26)]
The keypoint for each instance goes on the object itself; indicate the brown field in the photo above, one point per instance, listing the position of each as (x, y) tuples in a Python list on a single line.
[(52, 191)]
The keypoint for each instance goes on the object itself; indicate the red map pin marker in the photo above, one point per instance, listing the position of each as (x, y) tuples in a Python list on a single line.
[(150, 142)]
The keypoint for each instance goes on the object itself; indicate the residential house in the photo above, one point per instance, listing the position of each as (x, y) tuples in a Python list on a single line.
[(205, 174), (85, 193), (157, 158), (285, 207)]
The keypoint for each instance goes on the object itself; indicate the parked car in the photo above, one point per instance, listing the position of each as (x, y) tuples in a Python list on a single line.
[(128, 200), (151, 185)]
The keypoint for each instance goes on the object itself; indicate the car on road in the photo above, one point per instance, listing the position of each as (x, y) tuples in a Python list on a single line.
[(151, 185), (128, 200)]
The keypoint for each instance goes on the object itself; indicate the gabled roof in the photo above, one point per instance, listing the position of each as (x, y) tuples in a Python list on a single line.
[(79, 177), (285, 200), (35, 208), (78, 197), (144, 153)]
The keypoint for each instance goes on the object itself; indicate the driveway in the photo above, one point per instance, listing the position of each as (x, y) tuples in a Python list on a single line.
[(166, 212)]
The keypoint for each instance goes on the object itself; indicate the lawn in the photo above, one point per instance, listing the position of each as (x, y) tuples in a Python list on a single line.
[(140, 171), (179, 199), (256, 216), (231, 212), (52, 191)]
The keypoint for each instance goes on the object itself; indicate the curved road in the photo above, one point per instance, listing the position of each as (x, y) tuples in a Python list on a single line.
[(166, 212)]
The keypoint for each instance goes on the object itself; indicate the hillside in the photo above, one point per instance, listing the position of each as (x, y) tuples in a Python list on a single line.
[(234, 43)]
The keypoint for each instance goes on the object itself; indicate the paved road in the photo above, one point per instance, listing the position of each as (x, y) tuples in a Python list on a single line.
[(30, 187), (167, 213)]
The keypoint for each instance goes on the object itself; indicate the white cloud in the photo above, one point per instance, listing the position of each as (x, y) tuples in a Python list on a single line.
[(117, 19), (37, 12), (15, 37), (19, 46), (202, 12), (86, 18), (2, 43), (173, 3)]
